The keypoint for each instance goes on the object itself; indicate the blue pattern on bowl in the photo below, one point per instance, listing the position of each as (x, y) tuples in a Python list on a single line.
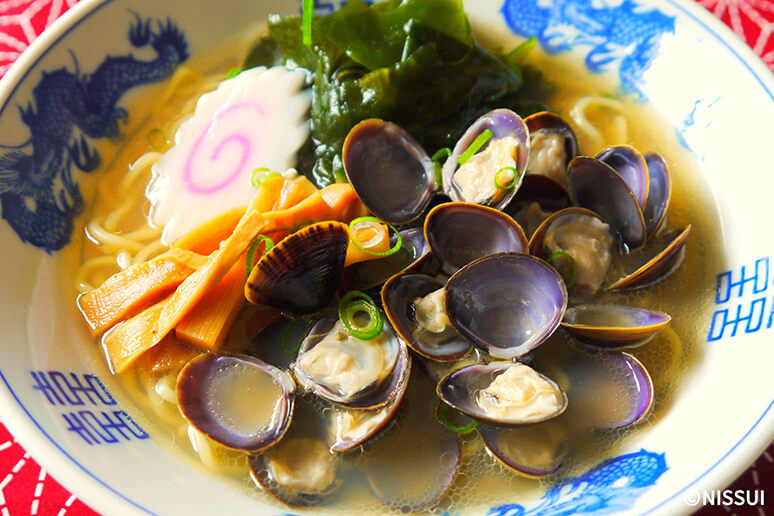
[(624, 33), (38, 194), (612, 486)]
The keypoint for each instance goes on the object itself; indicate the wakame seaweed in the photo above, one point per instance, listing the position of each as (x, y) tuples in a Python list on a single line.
[(411, 62)]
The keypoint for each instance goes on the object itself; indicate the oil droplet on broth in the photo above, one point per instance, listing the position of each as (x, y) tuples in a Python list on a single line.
[(243, 399)]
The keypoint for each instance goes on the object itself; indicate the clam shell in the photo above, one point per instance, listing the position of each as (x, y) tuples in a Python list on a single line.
[(460, 232), (660, 193), (397, 296), (460, 388), (613, 326), (660, 266), (596, 186), (534, 451), (550, 195), (301, 274), (389, 170), (629, 163), (206, 399), (608, 389), (502, 123), (433, 452), (374, 396), (506, 304)]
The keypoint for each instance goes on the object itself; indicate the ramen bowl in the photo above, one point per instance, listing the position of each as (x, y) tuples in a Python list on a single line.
[(63, 107)]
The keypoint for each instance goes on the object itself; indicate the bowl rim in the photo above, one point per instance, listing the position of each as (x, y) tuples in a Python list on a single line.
[(102, 497)]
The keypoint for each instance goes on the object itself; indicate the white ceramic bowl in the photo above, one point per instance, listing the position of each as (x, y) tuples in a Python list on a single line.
[(58, 398)]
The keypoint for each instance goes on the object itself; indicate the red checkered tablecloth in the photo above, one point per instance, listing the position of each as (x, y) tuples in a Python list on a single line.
[(26, 488)]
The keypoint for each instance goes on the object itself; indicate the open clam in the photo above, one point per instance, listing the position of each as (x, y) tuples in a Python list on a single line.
[(348, 371), (628, 163), (552, 145), (507, 147), (415, 306), (459, 232), (506, 304), (581, 235), (503, 393), (378, 155), (236, 400), (660, 193), (613, 326)]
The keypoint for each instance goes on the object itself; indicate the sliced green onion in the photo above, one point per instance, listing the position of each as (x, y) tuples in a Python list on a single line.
[(437, 157), (157, 139), (260, 175), (308, 16), (353, 303), (394, 249), (250, 256), (444, 415), (479, 142), (573, 267), (233, 73), (510, 185)]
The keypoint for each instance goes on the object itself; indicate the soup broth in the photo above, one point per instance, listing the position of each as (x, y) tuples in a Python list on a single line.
[(395, 472)]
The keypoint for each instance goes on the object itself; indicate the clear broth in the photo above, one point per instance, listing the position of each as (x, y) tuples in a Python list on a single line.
[(481, 481)]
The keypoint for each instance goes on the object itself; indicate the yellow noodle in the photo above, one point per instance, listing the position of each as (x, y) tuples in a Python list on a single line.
[(112, 241), (88, 267), (578, 113), (182, 75), (151, 250)]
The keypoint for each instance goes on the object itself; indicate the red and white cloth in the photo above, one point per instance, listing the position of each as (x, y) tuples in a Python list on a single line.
[(26, 488)]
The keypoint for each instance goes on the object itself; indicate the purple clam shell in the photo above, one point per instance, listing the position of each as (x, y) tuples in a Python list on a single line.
[(194, 389), (533, 450), (389, 170), (397, 296), (660, 266), (506, 304), (372, 398), (537, 241), (502, 123), (460, 232), (613, 326), (629, 163), (609, 390), (594, 185), (660, 192), (301, 273)]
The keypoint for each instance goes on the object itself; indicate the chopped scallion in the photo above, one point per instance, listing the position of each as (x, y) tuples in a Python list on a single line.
[(442, 154), (444, 416), (507, 186), (308, 16), (260, 175), (559, 255), (233, 73), (359, 245), (250, 255), (355, 302), (479, 142)]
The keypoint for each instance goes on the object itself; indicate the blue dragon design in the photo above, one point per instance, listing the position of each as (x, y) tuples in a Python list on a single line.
[(625, 32), (610, 487), (38, 195)]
